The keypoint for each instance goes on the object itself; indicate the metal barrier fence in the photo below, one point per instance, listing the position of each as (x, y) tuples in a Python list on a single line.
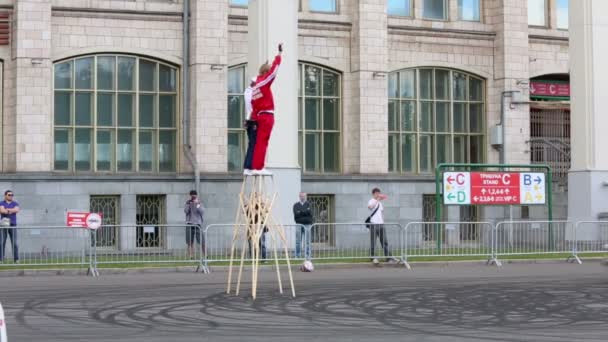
[(41, 247), (589, 237), (448, 239), (533, 238), (45, 246), (180, 244)]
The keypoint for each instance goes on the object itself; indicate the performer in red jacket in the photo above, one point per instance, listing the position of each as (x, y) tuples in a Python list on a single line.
[(263, 105)]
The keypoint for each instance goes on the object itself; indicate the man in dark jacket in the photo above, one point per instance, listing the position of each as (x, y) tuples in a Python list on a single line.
[(302, 214), (194, 222)]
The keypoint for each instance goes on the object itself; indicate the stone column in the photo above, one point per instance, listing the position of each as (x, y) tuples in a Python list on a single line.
[(33, 71), (588, 177), (208, 94), (272, 22), (370, 82), (512, 66)]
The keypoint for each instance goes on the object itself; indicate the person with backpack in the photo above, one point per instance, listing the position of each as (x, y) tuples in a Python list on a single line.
[(376, 226)]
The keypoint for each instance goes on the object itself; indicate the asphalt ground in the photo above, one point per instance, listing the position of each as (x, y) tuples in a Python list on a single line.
[(537, 302)]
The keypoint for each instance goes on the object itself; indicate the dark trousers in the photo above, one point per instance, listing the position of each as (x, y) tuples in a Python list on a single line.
[(377, 230), (4, 234), (251, 136)]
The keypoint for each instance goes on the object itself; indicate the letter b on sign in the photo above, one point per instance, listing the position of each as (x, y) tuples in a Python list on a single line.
[(527, 179)]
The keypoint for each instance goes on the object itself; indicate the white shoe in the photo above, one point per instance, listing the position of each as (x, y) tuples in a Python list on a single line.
[(247, 172), (375, 261), (265, 172)]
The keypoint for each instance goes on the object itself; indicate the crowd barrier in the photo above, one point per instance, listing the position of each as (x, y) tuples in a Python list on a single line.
[(161, 245)]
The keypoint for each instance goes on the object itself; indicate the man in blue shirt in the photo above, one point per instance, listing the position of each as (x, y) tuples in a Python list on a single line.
[(8, 214)]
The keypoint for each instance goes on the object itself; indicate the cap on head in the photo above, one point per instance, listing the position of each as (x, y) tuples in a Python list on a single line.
[(193, 192)]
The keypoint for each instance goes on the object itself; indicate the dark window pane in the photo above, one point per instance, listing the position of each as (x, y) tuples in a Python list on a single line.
[(393, 89), (62, 150), (235, 80), (426, 153), (311, 82), (442, 116), (167, 78), (476, 149), (84, 72), (313, 113), (166, 151), (82, 150), (393, 115), (63, 75), (146, 151), (146, 110), (330, 84), (235, 151), (408, 153), (63, 105), (407, 83), (331, 146), (126, 73), (105, 72), (408, 116), (426, 84), (124, 150), (476, 117), (442, 84), (475, 89), (331, 114), (434, 9), (426, 116), (125, 110), (460, 149), (105, 153), (460, 118), (147, 75), (313, 152), (84, 109), (443, 148), (235, 110), (393, 152), (460, 86), (105, 109), (166, 111)]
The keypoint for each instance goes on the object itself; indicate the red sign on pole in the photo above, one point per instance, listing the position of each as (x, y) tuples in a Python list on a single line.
[(77, 219), (495, 188), (550, 89)]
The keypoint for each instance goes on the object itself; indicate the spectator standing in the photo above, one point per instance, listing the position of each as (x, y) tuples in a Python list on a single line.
[(302, 214), (194, 222), (376, 227), (8, 213)]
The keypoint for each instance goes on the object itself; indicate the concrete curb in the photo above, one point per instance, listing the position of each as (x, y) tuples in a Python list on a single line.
[(319, 266)]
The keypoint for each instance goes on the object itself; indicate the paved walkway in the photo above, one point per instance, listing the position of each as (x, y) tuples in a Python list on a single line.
[(543, 302)]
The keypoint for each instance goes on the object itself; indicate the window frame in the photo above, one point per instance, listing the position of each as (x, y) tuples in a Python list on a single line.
[(302, 131), (410, 10), (241, 130), (446, 12), (94, 127), (567, 28), (480, 8), (547, 17), (417, 131)]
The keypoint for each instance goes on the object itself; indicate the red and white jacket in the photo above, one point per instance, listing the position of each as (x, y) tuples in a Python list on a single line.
[(262, 100)]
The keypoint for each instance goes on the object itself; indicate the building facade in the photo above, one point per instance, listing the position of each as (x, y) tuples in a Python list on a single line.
[(92, 103)]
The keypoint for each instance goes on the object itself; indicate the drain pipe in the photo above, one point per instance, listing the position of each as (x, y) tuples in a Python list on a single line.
[(186, 96), (502, 157)]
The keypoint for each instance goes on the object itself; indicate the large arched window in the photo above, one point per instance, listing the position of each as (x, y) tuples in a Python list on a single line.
[(237, 138), (320, 109), (115, 113), (434, 116)]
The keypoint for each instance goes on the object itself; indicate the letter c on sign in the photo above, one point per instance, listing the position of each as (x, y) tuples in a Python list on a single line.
[(460, 179), (506, 179)]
